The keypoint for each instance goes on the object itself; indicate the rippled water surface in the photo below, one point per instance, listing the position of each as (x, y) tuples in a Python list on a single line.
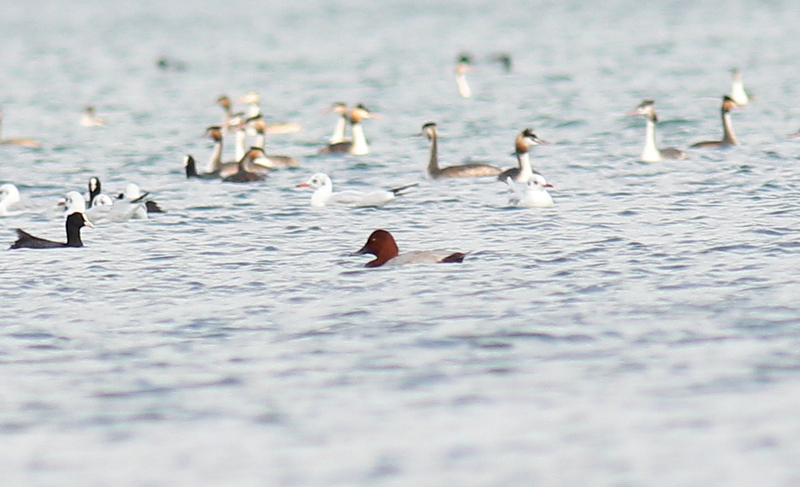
[(644, 331)]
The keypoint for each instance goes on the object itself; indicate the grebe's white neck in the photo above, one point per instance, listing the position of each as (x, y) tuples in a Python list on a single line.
[(239, 139), (338, 131), (727, 128), (360, 146), (215, 164), (650, 152), (463, 86)]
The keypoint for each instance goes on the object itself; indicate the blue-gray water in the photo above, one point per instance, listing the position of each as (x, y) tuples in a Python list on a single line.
[(645, 331)]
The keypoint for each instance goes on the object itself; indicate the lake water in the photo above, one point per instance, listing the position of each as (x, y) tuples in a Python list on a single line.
[(644, 331)]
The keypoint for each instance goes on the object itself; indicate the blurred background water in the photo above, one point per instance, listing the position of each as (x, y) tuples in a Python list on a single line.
[(643, 331)]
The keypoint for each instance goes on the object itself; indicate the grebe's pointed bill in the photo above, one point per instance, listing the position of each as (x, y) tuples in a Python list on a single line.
[(644, 107), (533, 139)]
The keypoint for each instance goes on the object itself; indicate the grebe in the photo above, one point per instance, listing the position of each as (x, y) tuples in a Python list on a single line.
[(531, 194), (524, 172), (728, 137), (381, 244), (247, 170), (254, 110), (90, 119), (651, 153), (504, 59), (324, 195), (269, 160), (22, 141), (462, 66), (229, 119), (215, 164), (74, 223), (358, 146), (738, 93), (339, 108), (462, 171)]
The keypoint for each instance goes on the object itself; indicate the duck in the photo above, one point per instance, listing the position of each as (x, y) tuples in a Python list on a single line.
[(21, 141), (340, 108), (90, 118), (323, 193), (651, 153), (522, 144), (738, 92), (531, 194), (728, 137), (75, 221), (461, 171), (381, 244), (190, 167), (247, 170), (133, 194), (271, 161), (9, 196), (358, 146), (463, 65)]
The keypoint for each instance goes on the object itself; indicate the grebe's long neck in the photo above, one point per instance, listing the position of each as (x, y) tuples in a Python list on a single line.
[(338, 131), (463, 86), (240, 137), (215, 164), (650, 152), (433, 161), (259, 141), (525, 169), (727, 127), (360, 146)]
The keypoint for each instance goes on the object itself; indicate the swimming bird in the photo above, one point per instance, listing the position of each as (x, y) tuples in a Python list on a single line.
[(381, 244), (504, 59), (794, 135), (324, 195), (522, 144), (738, 93), (90, 119), (728, 137), (134, 194), (248, 171), (463, 65), (229, 119), (9, 196), (358, 146), (460, 171), (191, 170), (651, 153), (271, 161), (103, 208), (531, 194), (75, 221), (21, 141), (254, 110), (338, 135), (215, 164)]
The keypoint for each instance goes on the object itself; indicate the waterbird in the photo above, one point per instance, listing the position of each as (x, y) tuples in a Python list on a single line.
[(463, 65), (460, 171), (530, 194), (358, 146), (323, 193), (651, 153), (381, 244), (522, 144), (75, 221), (728, 137), (21, 141)]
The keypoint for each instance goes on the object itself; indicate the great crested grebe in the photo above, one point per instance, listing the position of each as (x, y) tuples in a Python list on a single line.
[(229, 119), (728, 137), (254, 110), (531, 194), (340, 108), (269, 160), (323, 193), (22, 141), (215, 164), (381, 244), (358, 146), (651, 153), (90, 118), (75, 221), (247, 170), (504, 59), (738, 92), (522, 144), (461, 171), (462, 66)]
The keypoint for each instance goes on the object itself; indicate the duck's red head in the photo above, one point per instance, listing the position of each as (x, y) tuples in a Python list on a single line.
[(381, 244)]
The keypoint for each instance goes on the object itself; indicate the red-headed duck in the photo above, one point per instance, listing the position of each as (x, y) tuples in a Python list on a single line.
[(381, 244)]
